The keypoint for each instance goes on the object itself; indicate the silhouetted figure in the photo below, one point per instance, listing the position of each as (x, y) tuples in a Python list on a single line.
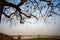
[(19, 37)]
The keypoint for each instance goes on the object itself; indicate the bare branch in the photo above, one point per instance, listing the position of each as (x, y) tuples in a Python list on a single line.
[(21, 19), (6, 15), (22, 2)]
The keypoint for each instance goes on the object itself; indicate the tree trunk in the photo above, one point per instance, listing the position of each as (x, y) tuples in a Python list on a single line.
[(1, 9)]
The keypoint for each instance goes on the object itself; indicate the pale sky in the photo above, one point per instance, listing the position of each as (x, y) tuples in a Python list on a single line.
[(31, 29)]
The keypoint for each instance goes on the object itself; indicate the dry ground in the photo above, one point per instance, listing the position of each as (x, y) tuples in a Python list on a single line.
[(28, 37)]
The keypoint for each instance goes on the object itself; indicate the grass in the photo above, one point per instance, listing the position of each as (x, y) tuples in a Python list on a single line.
[(42, 39), (7, 37)]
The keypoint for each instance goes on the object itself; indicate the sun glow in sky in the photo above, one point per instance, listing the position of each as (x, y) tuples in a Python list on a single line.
[(32, 26)]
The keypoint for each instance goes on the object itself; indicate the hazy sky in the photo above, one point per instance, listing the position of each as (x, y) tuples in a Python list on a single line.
[(38, 28)]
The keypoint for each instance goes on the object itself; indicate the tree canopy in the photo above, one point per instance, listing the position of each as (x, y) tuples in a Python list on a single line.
[(23, 9)]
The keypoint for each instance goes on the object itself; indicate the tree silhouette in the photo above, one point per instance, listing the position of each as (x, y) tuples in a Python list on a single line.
[(32, 4)]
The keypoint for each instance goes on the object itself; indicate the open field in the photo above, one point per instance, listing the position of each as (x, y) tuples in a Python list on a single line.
[(40, 37), (28, 37)]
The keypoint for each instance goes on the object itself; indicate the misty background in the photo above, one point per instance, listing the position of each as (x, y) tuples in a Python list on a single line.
[(39, 28)]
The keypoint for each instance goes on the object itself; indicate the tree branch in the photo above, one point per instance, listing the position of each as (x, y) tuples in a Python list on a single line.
[(6, 15), (22, 2)]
